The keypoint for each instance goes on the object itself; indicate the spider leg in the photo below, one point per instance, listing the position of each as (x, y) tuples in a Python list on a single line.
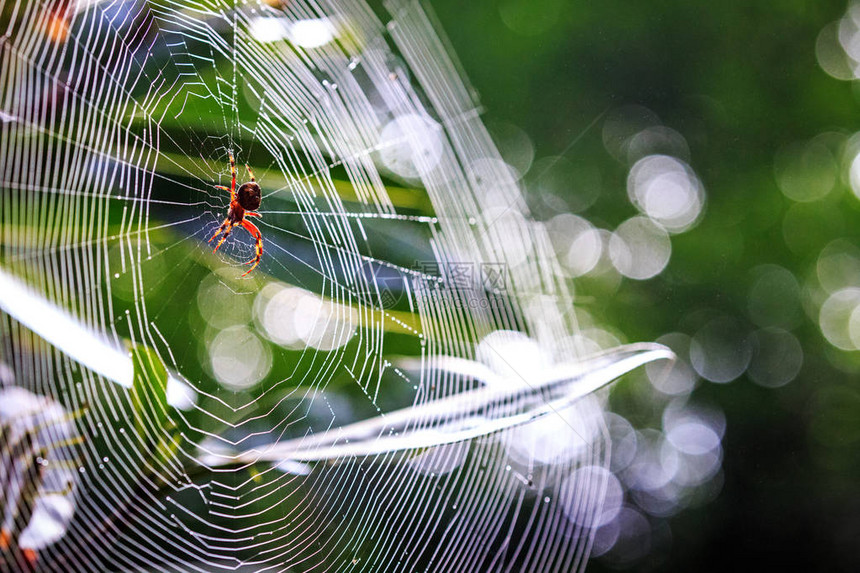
[(224, 225), (224, 237), (258, 245), (252, 214), (251, 173), (221, 187), (233, 173)]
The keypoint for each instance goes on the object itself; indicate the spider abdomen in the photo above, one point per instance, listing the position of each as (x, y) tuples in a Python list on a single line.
[(249, 196)]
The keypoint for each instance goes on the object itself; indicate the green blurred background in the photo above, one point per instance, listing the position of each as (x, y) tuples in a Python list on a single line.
[(744, 84)]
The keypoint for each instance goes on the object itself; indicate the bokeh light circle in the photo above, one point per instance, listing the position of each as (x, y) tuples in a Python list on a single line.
[(666, 190), (720, 351), (678, 378), (639, 249), (411, 145), (775, 297), (837, 316), (239, 359), (591, 486), (805, 171), (777, 357)]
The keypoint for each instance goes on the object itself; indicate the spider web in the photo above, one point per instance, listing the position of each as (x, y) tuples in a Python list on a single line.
[(371, 396)]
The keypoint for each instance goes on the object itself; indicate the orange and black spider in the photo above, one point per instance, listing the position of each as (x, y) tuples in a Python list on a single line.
[(243, 203)]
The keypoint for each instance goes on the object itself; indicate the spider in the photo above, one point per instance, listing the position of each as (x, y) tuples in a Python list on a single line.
[(243, 203)]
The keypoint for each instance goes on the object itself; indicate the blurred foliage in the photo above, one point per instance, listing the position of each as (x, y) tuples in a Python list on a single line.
[(740, 82)]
